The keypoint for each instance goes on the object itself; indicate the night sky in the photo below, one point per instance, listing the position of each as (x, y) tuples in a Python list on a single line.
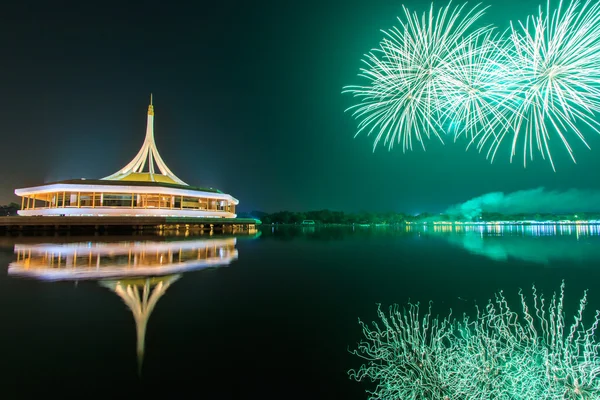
[(247, 98)]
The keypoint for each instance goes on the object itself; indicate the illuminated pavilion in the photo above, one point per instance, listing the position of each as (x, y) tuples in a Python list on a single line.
[(131, 191)]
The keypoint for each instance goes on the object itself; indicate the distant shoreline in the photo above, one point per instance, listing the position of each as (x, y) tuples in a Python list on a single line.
[(441, 223)]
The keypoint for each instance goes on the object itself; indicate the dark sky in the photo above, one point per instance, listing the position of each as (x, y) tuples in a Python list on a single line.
[(247, 98)]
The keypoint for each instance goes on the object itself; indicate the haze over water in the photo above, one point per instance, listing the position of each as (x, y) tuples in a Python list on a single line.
[(269, 315)]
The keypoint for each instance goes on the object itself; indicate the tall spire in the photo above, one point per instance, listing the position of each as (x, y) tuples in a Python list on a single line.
[(147, 154)]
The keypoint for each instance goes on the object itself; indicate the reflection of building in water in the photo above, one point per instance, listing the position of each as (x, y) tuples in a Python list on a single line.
[(141, 296), (118, 259), (138, 272)]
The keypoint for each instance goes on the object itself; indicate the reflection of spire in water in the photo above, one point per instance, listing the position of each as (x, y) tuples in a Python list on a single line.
[(141, 296)]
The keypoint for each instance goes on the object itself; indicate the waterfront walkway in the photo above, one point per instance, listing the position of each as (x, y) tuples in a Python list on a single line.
[(22, 223)]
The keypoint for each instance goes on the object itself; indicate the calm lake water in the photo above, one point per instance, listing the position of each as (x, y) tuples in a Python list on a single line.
[(268, 316)]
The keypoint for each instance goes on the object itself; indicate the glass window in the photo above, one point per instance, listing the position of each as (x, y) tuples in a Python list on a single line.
[(116, 200)]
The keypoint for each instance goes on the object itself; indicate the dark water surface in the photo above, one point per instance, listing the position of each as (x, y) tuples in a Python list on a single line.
[(266, 316)]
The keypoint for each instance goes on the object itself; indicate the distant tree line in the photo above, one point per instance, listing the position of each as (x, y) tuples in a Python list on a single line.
[(9, 210), (394, 218)]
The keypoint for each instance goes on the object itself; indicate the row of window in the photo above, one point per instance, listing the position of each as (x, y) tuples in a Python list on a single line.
[(74, 199)]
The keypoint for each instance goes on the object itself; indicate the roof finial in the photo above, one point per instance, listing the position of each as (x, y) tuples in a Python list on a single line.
[(150, 107)]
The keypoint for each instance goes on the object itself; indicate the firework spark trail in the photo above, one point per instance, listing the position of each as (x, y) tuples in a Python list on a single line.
[(437, 73), (408, 75), (556, 80), (476, 88)]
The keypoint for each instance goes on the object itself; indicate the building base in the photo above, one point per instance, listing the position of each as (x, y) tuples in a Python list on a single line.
[(109, 223)]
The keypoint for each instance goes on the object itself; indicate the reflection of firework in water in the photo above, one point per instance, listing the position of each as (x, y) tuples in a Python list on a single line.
[(500, 354), (439, 74)]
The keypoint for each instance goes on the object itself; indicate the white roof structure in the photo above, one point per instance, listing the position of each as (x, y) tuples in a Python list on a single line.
[(147, 155)]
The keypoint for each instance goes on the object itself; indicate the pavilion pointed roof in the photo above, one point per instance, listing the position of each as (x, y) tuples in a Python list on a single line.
[(148, 155)]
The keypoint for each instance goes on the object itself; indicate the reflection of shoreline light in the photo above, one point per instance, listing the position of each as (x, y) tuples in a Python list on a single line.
[(74, 261), (510, 229), (539, 244)]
